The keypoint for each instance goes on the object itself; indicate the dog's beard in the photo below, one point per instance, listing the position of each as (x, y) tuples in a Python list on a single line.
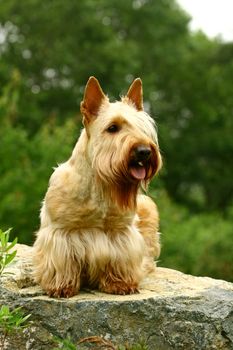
[(120, 179)]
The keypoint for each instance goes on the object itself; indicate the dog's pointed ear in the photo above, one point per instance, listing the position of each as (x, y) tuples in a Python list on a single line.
[(135, 94), (92, 100)]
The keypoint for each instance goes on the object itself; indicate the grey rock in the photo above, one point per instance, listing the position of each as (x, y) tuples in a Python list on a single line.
[(172, 311)]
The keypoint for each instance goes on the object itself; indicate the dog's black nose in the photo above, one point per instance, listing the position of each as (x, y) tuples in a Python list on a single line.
[(142, 153)]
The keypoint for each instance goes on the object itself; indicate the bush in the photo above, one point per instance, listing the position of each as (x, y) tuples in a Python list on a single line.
[(26, 165), (198, 244)]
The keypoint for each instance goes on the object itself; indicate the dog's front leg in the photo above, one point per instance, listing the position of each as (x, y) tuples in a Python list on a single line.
[(114, 260), (58, 259), (112, 281)]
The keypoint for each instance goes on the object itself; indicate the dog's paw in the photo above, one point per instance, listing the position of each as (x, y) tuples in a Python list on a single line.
[(120, 288), (65, 292)]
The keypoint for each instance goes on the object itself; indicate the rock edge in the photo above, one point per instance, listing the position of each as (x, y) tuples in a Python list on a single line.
[(172, 311)]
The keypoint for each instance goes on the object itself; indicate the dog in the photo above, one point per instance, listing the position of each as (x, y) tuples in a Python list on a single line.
[(98, 229)]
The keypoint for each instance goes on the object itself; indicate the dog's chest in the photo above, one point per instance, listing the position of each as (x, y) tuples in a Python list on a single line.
[(77, 213), (105, 218)]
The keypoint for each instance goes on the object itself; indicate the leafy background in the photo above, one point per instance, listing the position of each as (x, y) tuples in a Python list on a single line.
[(47, 52)]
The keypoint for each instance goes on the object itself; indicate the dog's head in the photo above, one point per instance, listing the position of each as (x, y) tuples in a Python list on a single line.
[(122, 141)]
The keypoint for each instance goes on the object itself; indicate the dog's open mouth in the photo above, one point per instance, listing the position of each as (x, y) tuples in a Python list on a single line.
[(137, 170)]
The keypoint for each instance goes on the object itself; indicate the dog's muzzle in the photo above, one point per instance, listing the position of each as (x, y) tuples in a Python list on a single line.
[(139, 160)]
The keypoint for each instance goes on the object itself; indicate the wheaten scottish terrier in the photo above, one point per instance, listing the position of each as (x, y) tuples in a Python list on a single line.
[(97, 230)]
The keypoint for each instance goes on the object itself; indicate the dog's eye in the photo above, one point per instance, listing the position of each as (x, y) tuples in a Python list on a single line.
[(113, 128)]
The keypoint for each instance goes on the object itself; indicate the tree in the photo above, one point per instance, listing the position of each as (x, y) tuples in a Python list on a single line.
[(57, 45), (200, 147), (48, 52)]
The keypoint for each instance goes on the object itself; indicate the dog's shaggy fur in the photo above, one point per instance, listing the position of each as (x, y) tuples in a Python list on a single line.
[(96, 229)]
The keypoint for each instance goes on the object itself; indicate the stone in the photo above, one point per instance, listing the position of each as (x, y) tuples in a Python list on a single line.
[(172, 311)]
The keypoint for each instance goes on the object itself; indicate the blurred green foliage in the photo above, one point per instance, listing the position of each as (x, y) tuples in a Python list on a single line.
[(47, 52), (196, 243)]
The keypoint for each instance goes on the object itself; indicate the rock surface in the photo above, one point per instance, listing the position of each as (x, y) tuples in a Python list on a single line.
[(172, 311)]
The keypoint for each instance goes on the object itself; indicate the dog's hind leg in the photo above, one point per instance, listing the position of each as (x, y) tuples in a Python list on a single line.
[(148, 226), (58, 259)]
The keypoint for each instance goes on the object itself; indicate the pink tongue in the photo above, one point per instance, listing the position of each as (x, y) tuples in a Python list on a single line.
[(138, 173)]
